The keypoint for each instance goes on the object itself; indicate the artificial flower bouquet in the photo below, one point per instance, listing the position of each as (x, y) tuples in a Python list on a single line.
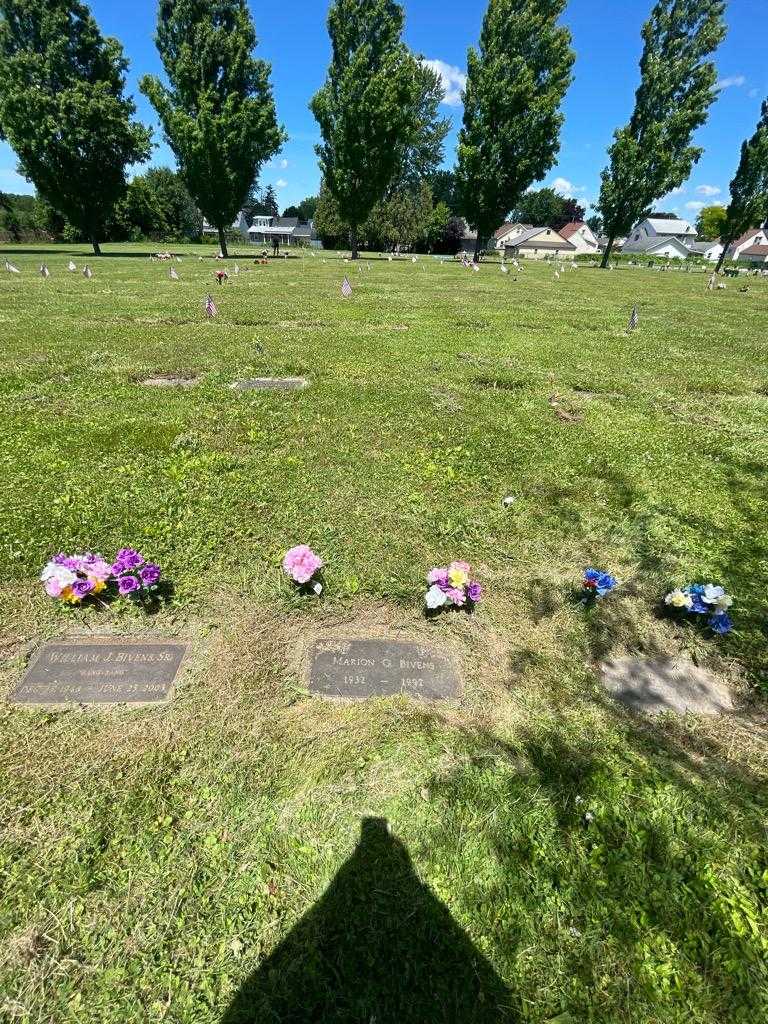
[(596, 584), (704, 599), (452, 587), (303, 566), (73, 579)]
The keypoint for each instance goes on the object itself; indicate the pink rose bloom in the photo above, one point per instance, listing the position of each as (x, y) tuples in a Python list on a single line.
[(438, 576), (461, 566), (99, 569), (53, 587), (301, 563), (457, 596)]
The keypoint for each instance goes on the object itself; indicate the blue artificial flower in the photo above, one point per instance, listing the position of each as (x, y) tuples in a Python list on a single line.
[(698, 606), (721, 623), (600, 583)]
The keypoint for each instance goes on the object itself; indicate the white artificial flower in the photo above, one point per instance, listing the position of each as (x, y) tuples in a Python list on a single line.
[(509, 500), (679, 599), (724, 602), (712, 594), (58, 572), (435, 597)]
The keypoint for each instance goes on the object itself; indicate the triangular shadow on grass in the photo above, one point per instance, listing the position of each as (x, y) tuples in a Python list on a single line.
[(378, 946)]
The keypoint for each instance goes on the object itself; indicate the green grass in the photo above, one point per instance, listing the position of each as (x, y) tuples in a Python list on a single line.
[(203, 861)]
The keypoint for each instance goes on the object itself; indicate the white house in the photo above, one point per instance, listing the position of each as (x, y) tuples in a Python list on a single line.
[(755, 254), (659, 236), (503, 236), (239, 224), (538, 243), (755, 236), (265, 230), (710, 251), (581, 236)]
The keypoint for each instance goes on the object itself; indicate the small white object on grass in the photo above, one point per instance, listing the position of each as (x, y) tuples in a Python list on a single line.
[(317, 588), (589, 817), (509, 500)]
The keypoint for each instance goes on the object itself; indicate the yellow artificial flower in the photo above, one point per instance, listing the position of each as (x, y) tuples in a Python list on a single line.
[(98, 585), (678, 599), (458, 577)]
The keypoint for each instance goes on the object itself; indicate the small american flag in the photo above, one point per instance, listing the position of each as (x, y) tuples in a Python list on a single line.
[(413, 259), (71, 267), (346, 288), (44, 271), (210, 306), (11, 268), (476, 268), (172, 274), (236, 269), (557, 276), (87, 272), (504, 268), (178, 259), (634, 320), (711, 285)]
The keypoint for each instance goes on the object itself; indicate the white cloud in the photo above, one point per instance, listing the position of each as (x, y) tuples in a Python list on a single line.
[(708, 190), (283, 164), (453, 79), (677, 191), (566, 188), (281, 183), (726, 83), (694, 206)]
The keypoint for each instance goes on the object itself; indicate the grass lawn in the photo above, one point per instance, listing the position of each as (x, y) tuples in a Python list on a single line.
[(549, 856)]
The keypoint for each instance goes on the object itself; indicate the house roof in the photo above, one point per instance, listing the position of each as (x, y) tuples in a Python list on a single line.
[(527, 238), (667, 226), (746, 236), (499, 233), (755, 250), (571, 229), (702, 246), (650, 243)]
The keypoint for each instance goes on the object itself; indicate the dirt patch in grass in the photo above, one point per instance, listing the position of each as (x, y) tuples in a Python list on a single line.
[(182, 379)]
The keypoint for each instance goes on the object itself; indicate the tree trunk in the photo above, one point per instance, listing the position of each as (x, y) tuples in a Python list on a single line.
[(476, 257), (607, 253), (353, 242), (96, 247), (721, 260), (222, 243)]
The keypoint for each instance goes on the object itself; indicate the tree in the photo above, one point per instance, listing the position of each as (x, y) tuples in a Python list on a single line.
[(664, 214), (749, 188), (445, 190), (515, 85), (218, 114), (63, 109), (401, 219), (653, 153), (329, 226), (156, 205), (710, 223), (307, 208), (269, 202), (595, 223), (425, 151), (546, 207), (291, 211), (367, 107)]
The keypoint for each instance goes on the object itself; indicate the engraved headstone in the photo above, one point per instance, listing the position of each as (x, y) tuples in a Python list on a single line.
[(356, 669), (101, 672), (270, 384), (663, 684)]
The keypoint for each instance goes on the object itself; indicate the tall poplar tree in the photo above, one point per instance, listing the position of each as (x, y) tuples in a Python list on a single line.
[(218, 114), (748, 207), (367, 108), (63, 109), (515, 85), (653, 154)]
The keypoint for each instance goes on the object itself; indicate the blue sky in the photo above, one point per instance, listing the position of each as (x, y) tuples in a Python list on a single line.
[(606, 37)]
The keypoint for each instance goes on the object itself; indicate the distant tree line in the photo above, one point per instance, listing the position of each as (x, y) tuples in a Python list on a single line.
[(64, 110)]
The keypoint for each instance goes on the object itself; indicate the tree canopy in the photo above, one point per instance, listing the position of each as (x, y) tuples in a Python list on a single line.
[(710, 222), (63, 109), (516, 82), (217, 113), (748, 207), (653, 154), (546, 207), (367, 108)]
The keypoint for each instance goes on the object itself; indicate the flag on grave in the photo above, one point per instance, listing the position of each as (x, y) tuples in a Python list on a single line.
[(346, 288), (178, 259), (44, 271), (87, 272), (236, 270), (210, 306), (11, 268), (71, 267), (172, 274), (634, 320), (712, 279), (504, 268), (557, 276), (476, 268)]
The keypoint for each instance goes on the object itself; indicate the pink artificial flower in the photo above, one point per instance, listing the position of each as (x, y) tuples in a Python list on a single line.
[(301, 563), (438, 576), (457, 596), (461, 566), (53, 587)]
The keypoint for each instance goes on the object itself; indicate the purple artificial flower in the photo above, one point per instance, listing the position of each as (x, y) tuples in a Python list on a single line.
[(126, 559), (81, 588), (438, 576), (127, 584), (150, 574), (474, 592)]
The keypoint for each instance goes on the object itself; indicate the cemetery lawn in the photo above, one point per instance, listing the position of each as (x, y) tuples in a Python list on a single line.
[(552, 857)]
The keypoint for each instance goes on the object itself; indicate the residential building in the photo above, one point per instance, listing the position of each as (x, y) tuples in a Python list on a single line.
[(755, 236), (503, 236), (581, 236), (264, 230), (239, 224), (707, 250), (538, 243), (661, 236), (755, 254)]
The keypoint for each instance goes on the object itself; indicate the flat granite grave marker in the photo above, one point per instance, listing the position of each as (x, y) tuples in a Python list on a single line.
[(355, 669), (655, 685), (270, 384), (102, 672)]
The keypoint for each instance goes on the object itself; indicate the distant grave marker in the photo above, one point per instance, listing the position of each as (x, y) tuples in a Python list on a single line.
[(101, 672), (355, 669), (661, 684), (270, 384), (170, 381)]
